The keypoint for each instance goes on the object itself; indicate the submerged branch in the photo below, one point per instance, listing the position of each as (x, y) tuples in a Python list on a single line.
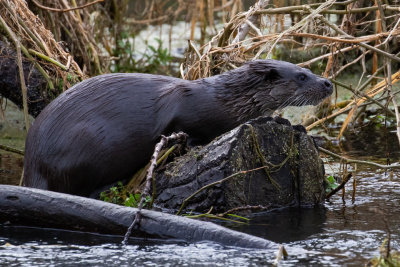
[(347, 160)]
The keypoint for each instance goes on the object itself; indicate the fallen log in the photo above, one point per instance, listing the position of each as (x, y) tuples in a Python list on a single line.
[(34, 207)]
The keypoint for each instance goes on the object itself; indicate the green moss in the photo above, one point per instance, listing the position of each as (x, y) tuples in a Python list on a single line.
[(119, 195)]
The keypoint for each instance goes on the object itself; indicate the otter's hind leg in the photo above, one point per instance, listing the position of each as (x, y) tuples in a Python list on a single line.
[(34, 180)]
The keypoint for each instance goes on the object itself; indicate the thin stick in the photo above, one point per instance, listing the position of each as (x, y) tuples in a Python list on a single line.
[(305, 9), (218, 182), (30, 33), (364, 95), (248, 207), (340, 31), (153, 163), (281, 254), (342, 184), (42, 56), (389, 73), (249, 22), (361, 57), (355, 40), (300, 24), (309, 62), (21, 72), (370, 163), (67, 9), (11, 149)]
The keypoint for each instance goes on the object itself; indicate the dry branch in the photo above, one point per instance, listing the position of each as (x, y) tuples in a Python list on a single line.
[(348, 40), (67, 9), (230, 46), (150, 172), (21, 71)]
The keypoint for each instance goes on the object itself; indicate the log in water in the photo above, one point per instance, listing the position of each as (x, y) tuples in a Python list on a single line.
[(40, 208)]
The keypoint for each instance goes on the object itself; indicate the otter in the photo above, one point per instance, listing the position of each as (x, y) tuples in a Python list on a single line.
[(104, 129)]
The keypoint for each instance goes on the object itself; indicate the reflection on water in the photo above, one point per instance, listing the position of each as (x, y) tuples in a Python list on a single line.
[(353, 232), (287, 225), (373, 141)]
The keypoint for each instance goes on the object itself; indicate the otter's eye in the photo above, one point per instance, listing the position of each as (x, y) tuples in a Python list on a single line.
[(302, 77)]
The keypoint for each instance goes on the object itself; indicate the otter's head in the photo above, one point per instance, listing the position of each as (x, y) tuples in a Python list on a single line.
[(262, 86), (288, 84)]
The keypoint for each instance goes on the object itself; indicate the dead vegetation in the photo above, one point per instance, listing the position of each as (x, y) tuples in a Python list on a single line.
[(345, 35), (37, 41), (32, 39)]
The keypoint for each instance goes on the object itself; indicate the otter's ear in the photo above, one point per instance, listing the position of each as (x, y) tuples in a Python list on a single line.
[(263, 68)]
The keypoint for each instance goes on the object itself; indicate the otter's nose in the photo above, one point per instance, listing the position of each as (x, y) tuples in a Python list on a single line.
[(328, 86)]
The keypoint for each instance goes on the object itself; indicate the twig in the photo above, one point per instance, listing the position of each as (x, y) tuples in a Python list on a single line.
[(300, 24), (254, 27), (361, 57), (374, 91), (364, 95), (391, 32), (396, 109), (340, 31), (11, 149), (191, 45), (388, 76), (23, 85), (309, 62), (30, 33), (68, 62), (347, 160), (67, 9), (281, 253), (138, 177), (342, 184), (26, 53), (164, 140), (21, 71), (55, 62), (250, 20), (248, 207), (304, 9), (348, 40), (218, 182)]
